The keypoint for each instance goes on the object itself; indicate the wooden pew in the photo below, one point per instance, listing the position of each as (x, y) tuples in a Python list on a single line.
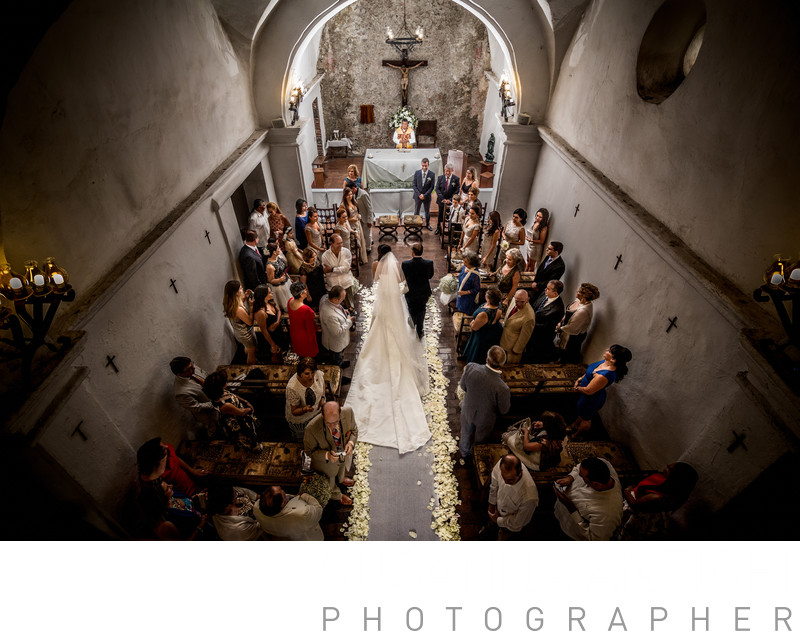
[(531, 379), (275, 377)]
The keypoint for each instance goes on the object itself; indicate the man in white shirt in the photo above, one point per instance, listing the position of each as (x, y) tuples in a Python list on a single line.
[(259, 222), (512, 497), (335, 322), (336, 263), (288, 517), (589, 501)]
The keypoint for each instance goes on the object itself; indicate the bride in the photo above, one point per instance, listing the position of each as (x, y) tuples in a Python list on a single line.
[(391, 374)]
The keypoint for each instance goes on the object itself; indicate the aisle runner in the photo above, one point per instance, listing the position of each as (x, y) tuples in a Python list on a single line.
[(411, 496)]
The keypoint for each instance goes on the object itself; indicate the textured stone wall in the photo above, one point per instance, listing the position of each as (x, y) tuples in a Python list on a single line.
[(451, 89)]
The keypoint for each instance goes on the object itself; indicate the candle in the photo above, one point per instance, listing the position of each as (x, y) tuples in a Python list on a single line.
[(776, 279), (58, 279), (38, 280), (16, 283)]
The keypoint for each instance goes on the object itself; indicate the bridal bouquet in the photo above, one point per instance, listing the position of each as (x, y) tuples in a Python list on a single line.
[(448, 286), (318, 487)]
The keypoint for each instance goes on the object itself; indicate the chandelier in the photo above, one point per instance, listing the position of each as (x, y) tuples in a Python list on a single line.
[(405, 41)]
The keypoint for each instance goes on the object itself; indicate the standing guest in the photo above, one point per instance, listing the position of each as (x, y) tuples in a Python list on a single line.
[(485, 328), (552, 268), (469, 286), (537, 237), (472, 199), (592, 386), (236, 307), (364, 203), (513, 497), (252, 261), (294, 257), (422, 183), (188, 390), (469, 181), (259, 222), (549, 310), (538, 445), (492, 239), (418, 272), (353, 178), (348, 233), (354, 219), (238, 418), (300, 219), (509, 274), (279, 225), (302, 325), (574, 326), (168, 515), (648, 505), (231, 510), (312, 275), (277, 277), (305, 396), (335, 322), (517, 327), (514, 235), (472, 232), (272, 338), (446, 187), (336, 264), (589, 501), (156, 459), (288, 517), (329, 440), (313, 232), (485, 396)]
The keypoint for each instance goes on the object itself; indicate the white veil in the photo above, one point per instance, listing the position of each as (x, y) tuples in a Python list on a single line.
[(391, 373)]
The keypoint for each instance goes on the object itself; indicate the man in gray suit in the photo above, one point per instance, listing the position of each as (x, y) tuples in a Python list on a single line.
[(485, 395), (364, 204), (188, 389), (329, 440)]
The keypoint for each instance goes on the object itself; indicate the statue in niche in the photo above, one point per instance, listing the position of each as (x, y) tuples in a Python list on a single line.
[(490, 149)]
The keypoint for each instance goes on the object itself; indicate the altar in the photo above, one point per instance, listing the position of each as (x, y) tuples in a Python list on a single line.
[(391, 168)]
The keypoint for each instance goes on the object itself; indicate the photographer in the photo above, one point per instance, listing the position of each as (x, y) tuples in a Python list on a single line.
[(329, 440), (335, 321)]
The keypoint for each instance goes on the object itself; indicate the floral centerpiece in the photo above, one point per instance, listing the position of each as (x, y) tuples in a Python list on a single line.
[(403, 112)]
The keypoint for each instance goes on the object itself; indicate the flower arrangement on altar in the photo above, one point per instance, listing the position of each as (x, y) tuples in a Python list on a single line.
[(403, 112)]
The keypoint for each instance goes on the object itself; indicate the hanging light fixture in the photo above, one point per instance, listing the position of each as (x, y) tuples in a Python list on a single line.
[(781, 285), (404, 41)]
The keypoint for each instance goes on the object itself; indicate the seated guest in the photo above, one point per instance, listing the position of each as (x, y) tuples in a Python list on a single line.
[(302, 324), (539, 445), (272, 338), (335, 322), (277, 275), (512, 498), (329, 440), (168, 515), (592, 386), (336, 264), (252, 261), (649, 504), (549, 309), (492, 240), (589, 501), (280, 227), (508, 275), (551, 268), (353, 178), (573, 327), (312, 275), (239, 423), (485, 328), (300, 220), (236, 307), (231, 510), (469, 286), (188, 389), (288, 517), (158, 460), (517, 327), (305, 396)]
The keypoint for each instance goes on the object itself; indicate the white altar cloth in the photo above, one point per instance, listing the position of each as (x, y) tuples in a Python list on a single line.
[(394, 165)]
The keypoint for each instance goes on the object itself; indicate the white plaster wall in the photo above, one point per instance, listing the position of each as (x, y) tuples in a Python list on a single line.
[(716, 162), (123, 109), (490, 122)]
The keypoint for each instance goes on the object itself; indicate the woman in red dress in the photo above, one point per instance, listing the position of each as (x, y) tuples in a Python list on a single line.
[(302, 327)]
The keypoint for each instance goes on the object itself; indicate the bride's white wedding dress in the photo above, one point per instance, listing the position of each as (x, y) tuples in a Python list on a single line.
[(391, 373)]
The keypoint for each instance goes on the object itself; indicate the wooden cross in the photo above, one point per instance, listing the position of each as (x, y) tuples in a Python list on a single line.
[(111, 363), (404, 66), (577, 208), (172, 284), (208, 238), (738, 441), (80, 432), (672, 323), (619, 261)]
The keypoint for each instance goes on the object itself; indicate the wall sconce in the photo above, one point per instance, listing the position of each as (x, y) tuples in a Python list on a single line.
[(35, 288), (295, 98), (505, 98), (781, 285)]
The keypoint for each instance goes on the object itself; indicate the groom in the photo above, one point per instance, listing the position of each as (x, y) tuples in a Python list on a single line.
[(418, 273)]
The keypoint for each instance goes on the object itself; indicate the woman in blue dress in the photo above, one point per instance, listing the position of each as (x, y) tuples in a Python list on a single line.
[(300, 221), (469, 285), (592, 386), (485, 328)]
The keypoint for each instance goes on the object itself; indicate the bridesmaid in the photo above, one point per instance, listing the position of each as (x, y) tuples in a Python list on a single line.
[(514, 234), (493, 240), (236, 307), (313, 233), (354, 217), (469, 180), (537, 237)]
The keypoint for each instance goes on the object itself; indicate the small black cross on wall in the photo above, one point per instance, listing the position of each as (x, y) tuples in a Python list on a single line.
[(737, 441), (110, 362), (619, 261), (80, 432), (172, 284), (672, 323), (207, 237), (577, 208)]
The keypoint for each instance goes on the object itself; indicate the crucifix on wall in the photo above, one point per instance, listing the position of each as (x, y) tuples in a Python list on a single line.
[(404, 66)]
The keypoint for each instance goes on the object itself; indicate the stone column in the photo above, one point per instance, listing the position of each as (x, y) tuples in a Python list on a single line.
[(518, 160), (285, 159)]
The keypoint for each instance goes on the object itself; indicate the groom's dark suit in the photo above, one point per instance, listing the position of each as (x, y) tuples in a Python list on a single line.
[(418, 272)]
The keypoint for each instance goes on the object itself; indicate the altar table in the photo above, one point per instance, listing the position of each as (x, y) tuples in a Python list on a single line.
[(395, 165)]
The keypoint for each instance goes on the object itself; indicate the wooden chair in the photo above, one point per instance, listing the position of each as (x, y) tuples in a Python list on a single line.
[(462, 334), (426, 128)]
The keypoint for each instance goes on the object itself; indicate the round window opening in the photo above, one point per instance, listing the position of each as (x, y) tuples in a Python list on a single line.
[(669, 48)]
